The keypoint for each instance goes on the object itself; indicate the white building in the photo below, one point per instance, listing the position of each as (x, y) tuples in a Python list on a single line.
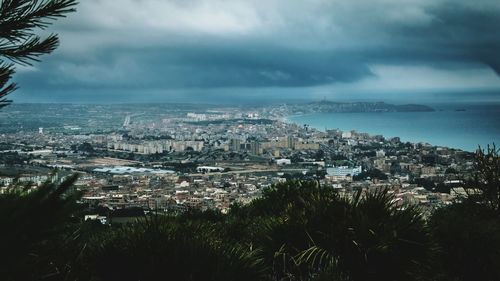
[(282, 162), (207, 169), (344, 171)]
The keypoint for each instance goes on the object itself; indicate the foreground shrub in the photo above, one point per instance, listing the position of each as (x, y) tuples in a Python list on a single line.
[(40, 229), (162, 249), (468, 234), (319, 234)]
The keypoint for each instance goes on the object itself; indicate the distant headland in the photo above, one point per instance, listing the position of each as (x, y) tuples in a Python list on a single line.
[(348, 107)]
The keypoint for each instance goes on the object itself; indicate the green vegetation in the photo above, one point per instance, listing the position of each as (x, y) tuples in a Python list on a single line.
[(84, 148), (20, 43), (486, 180), (468, 235), (39, 233), (370, 174), (297, 230), (13, 158), (162, 247)]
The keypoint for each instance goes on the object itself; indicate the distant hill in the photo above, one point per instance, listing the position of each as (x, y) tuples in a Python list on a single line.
[(341, 107)]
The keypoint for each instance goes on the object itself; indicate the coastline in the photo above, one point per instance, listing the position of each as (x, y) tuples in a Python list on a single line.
[(414, 128), (287, 119)]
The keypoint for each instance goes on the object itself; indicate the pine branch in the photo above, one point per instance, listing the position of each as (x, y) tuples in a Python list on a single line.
[(18, 41), (6, 72), (18, 18), (29, 50)]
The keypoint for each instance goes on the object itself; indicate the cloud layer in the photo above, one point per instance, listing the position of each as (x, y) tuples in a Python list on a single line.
[(155, 45)]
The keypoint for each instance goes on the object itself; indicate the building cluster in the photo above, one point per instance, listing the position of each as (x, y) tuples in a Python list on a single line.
[(171, 192), (156, 147)]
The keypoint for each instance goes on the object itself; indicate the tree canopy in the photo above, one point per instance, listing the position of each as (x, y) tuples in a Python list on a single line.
[(19, 42)]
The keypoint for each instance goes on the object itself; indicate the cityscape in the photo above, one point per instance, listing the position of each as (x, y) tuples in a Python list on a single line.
[(170, 158)]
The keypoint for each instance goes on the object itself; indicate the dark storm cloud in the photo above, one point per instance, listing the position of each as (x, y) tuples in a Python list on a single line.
[(198, 67), (475, 31), (457, 34), (253, 44)]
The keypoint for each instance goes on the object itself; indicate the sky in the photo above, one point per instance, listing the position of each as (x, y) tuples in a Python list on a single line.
[(249, 50)]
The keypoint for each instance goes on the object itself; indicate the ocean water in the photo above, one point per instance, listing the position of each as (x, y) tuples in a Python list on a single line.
[(448, 126)]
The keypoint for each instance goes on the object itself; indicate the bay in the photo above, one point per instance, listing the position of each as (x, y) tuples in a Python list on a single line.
[(462, 126)]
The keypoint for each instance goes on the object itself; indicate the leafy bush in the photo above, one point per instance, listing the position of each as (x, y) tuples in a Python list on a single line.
[(468, 235), (161, 248), (40, 230)]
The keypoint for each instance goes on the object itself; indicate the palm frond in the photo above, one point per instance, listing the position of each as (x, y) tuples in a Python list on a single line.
[(317, 257)]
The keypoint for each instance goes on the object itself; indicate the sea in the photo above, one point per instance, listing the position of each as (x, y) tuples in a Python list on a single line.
[(457, 125)]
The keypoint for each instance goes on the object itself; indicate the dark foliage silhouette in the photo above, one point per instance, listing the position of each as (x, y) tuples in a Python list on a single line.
[(39, 227), (161, 248), (19, 42), (468, 232)]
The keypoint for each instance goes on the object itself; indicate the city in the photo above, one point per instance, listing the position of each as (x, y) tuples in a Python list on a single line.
[(169, 158)]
